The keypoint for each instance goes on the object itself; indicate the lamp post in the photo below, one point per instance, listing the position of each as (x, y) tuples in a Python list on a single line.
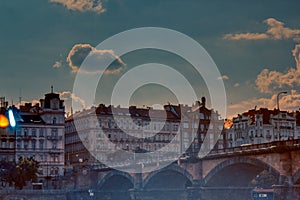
[(285, 92), (278, 128)]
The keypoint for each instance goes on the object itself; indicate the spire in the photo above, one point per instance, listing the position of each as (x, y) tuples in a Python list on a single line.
[(20, 96), (51, 88)]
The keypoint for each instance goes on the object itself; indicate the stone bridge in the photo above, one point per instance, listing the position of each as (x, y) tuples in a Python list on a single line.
[(223, 174), (224, 170)]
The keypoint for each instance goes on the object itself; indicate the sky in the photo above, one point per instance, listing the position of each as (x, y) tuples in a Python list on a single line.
[(255, 45)]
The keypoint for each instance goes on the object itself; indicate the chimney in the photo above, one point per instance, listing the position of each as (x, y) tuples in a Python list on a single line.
[(203, 101)]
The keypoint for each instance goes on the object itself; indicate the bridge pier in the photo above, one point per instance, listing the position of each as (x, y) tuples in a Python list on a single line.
[(135, 192), (194, 193)]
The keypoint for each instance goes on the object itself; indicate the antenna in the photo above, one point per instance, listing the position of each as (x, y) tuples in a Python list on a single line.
[(20, 96)]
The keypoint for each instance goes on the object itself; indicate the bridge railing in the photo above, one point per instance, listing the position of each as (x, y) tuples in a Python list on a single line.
[(239, 149), (286, 143)]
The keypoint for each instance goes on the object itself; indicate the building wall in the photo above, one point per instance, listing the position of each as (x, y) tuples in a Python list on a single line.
[(40, 134), (178, 129), (262, 126)]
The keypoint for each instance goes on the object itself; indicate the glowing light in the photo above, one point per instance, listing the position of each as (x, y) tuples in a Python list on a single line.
[(11, 117), (3, 121), (228, 123)]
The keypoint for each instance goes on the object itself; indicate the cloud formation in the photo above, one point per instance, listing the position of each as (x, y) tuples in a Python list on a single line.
[(33, 102), (224, 77), (57, 64), (290, 102), (80, 51), (82, 5), (269, 81), (236, 85), (66, 95), (276, 31), (246, 36), (272, 82), (296, 54)]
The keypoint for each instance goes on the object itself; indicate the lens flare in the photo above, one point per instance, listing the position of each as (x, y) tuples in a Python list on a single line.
[(11, 117), (3, 121)]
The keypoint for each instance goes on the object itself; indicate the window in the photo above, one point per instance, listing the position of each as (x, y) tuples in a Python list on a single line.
[(54, 132), (54, 171), (167, 127), (25, 132), (54, 145), (41, 144), (202, 127), (109, 123), (33, 132), (54, 120), (11, 145), (19, 144), (201, 116), (185, 125), (25, 145), (19, 132), (185, 135), (175, 127), (3, 144), (41, 132), (33, 144)]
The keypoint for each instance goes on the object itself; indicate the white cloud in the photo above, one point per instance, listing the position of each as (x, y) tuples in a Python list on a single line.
[(82, 5), (246, 36), (33, 102), (290, 102), (236, 85), (270, 81), (67, 95), (57, 64), (296, 54), (276, 31), (224, 77), (80, 51)]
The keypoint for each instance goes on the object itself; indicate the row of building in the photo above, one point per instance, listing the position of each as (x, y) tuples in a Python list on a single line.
[(104, 132)]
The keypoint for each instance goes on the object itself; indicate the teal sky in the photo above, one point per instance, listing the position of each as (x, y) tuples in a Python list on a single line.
[(243, 37)]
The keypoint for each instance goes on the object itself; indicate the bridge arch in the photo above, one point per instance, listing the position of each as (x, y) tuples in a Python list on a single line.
[(113, 173), (170, 168), (245, 161), (296, 178)]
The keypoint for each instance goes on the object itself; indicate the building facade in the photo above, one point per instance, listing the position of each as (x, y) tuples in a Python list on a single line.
[(40, 134), (175, 130), (262, 126), (7, 136)]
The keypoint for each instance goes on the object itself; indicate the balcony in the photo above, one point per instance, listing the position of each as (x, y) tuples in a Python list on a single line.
[(56, 150), (52, 137)]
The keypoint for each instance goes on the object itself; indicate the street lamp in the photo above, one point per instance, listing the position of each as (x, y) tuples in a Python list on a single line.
[(278, 124), (285, 92)]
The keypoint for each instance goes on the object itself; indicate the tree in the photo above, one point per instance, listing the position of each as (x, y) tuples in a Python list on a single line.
[(264, 180), (6, 169), (25, 170)]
